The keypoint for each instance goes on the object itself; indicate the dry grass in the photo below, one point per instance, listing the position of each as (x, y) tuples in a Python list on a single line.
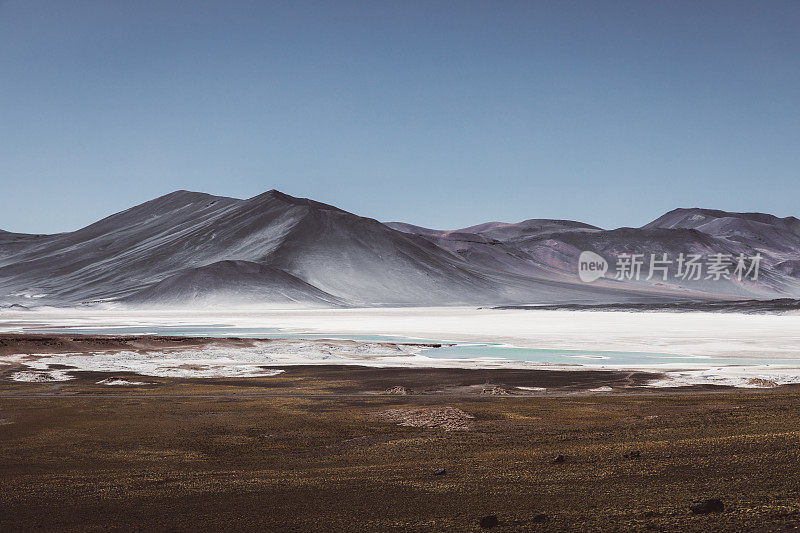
[(222, 455)]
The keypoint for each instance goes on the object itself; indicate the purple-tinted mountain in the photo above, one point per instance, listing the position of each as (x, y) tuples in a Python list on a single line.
[(189, 248), (161, 251), (756, 230), (242, 282), (550, 249)]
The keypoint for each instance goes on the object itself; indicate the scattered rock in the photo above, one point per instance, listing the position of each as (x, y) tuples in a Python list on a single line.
[(488, 521), (15, 307), (447, 418), (709, 505), (35, 376), (494, 390), (559, 459), (632, 454), (761, 383), (122, 382), (439, 472), (398, 390), (540, 518)]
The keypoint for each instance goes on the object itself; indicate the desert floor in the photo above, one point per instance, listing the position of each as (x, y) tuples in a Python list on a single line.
[(335, 448)]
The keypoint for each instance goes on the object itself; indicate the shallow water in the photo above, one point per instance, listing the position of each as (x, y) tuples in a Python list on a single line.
[(597, 358), (583, 357)]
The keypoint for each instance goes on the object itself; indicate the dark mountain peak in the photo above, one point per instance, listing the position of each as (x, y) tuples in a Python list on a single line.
[(527, 229), (557, 222), (276, 195), (191, 196), (536, 223), (181, 192), (697, 216), (756, 230), (532, 225), (171, 207), (176, 200)]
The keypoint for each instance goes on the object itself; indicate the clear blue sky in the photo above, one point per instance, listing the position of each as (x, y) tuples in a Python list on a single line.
[(443, 114)]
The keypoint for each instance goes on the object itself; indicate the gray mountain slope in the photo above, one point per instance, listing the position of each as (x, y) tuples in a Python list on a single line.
[(499, 231), (492, 245), (756, 230), (550, 249), (562, 252), (277, 249), (121, 253), (696, 217), (232, 283), (367, 263), (790, 267), (415, 230), (527, 228), (355, 259)]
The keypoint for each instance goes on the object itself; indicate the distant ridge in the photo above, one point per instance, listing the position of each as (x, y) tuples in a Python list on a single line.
[(696, 217), (190, 248)]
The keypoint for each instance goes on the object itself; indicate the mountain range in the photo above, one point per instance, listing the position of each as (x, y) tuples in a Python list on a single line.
[(190, 249)]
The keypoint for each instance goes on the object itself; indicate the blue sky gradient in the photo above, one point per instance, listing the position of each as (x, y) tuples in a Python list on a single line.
[(442, 114)]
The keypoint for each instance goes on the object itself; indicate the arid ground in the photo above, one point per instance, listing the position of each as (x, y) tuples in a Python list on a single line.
[(338, 448)]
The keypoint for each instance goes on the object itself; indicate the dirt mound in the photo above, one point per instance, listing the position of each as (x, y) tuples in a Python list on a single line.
[(494, 390), (447, 418), (398, 390), (760, 382)]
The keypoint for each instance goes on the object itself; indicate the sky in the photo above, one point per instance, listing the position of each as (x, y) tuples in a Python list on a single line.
[(441, 114)]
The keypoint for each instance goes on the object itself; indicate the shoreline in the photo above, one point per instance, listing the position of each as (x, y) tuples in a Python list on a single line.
[(729, 335), (27, 359)]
